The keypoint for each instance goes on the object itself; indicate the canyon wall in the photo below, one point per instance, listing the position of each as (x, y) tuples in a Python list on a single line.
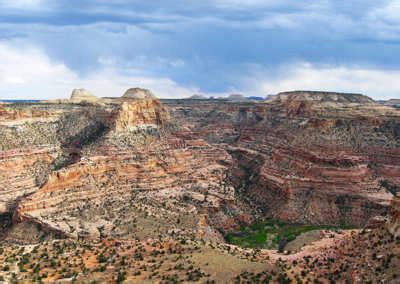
[(306, 157), (137, 167)]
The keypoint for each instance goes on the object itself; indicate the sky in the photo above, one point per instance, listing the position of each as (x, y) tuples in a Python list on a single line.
[(213, 47)]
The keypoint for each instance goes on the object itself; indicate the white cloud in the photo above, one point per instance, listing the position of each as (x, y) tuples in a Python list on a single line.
[(28, 73), (384, 21), (390, 12), (373, 82)]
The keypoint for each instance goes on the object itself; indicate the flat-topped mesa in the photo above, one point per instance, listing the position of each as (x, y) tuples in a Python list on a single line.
[(197, 97), (311, 103), (392, 102), (325, 97), (140, 108), (83, 96), (237, 98)]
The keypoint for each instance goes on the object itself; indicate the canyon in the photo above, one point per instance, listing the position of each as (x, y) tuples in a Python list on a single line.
[(138, 168)]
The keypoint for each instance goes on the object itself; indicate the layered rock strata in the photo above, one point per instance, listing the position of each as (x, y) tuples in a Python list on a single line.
[(129, 171), (134, 113), (108, 194), (305, 156), (22, 171)]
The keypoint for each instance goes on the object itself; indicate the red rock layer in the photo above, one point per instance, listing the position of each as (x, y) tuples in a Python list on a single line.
[(18, 173), (15, 115), (161, 172)]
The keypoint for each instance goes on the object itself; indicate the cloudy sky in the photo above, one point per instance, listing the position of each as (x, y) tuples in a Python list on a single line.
[(180, 47)]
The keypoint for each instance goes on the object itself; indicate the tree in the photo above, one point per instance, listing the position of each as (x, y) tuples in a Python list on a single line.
[(281, 245)]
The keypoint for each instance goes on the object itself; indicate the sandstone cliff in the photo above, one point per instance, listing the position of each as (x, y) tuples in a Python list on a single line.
[(140, 112)]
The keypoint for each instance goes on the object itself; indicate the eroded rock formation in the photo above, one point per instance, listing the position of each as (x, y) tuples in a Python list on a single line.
[(321, 157), (140, 112), (83, 96), (139, 94)]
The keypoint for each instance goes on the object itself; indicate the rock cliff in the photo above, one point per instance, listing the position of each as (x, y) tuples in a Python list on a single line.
[(140, 112)]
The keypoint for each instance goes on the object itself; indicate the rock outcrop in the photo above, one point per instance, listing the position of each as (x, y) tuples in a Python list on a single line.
[(138, 93), (139, 108), (83, 96)]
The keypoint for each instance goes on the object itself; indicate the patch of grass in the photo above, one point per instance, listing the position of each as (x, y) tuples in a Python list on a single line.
[(257, 239), (270, 233)]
